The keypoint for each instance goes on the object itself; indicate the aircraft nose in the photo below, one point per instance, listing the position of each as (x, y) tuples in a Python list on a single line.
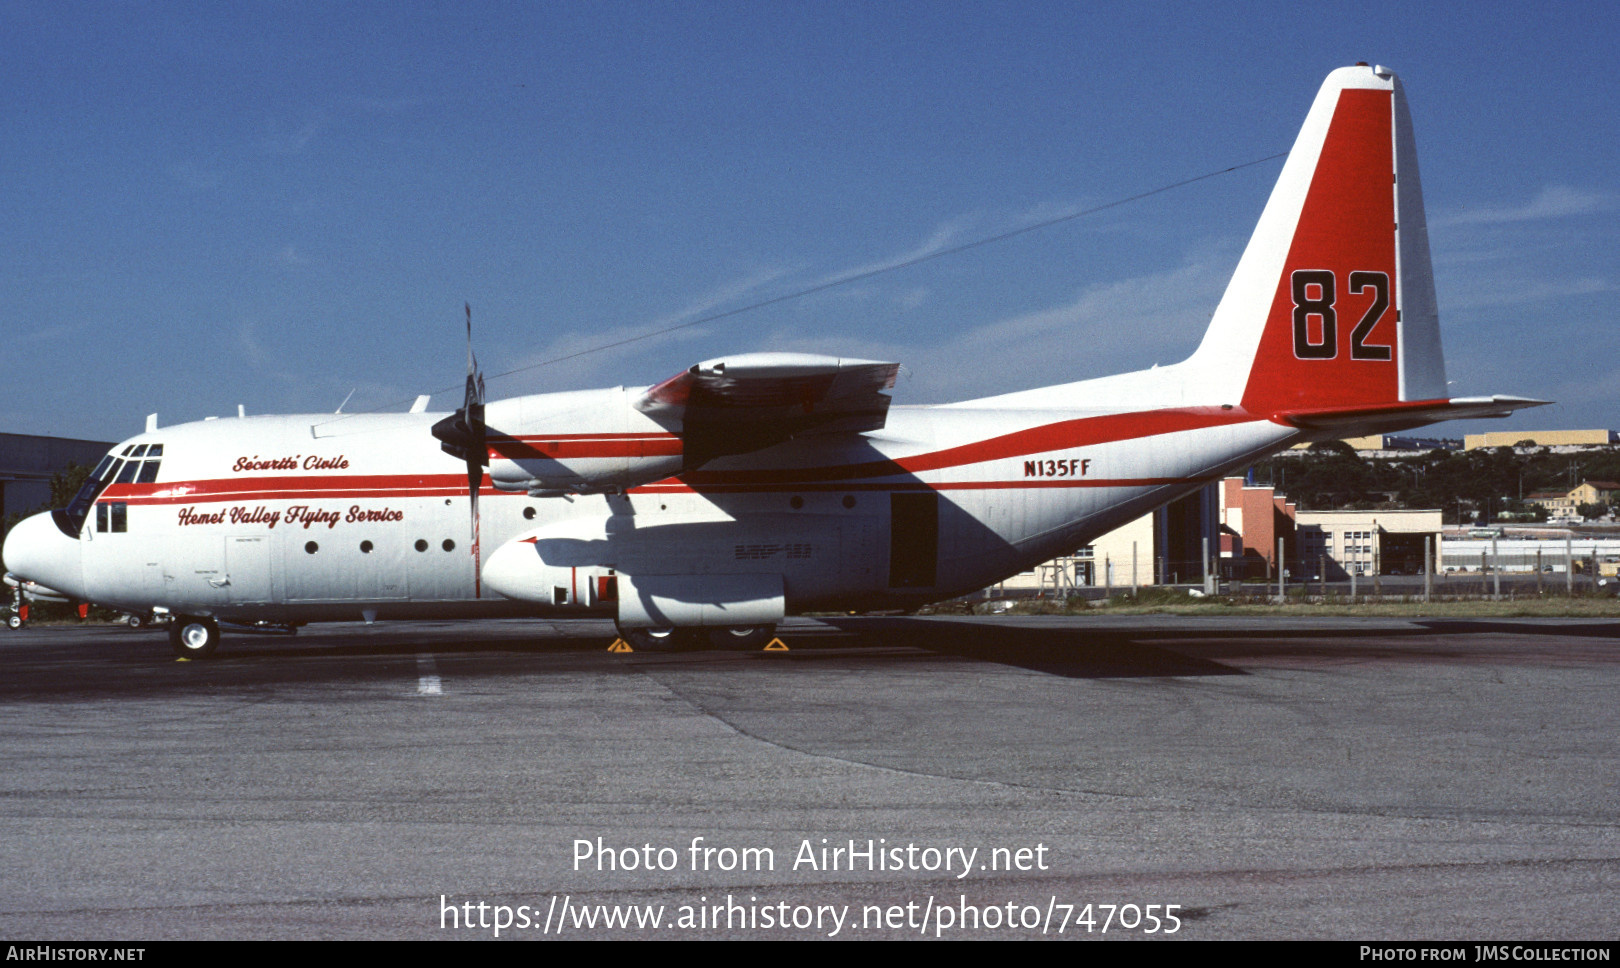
[(37, 549)]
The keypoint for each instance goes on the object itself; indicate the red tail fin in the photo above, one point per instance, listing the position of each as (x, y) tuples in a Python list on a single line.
[(1332, 305), (1331, 337)]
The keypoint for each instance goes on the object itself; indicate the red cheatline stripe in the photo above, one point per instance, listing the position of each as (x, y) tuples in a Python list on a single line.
[(293, 489), (671, 485), (640, 435), (1084, 431), (576, 446), (294, 484), (1081, 432), (679, 486)]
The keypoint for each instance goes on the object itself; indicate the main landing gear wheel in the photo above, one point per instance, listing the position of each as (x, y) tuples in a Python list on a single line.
[(664, 639), (742, 636), (14, 622), (194, 638)]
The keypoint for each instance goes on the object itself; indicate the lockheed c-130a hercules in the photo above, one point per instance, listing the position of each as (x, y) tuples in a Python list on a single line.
[(750, 487)]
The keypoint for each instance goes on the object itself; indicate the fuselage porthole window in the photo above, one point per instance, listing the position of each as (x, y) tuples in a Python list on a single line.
[(449, 545), (421, 544), (365, 547), (311, 547)]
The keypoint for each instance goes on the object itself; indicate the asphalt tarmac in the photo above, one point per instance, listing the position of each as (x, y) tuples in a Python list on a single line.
[(1240, 777)]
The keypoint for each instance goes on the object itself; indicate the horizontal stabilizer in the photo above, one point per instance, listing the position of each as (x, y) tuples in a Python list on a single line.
[(1394, 417)]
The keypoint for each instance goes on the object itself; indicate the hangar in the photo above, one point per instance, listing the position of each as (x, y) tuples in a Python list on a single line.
[(27, 462)]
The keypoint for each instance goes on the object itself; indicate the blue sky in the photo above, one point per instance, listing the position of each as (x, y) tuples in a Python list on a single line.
[(275, 204)]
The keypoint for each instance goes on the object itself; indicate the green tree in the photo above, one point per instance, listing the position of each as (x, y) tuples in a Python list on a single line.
[(66, 482)]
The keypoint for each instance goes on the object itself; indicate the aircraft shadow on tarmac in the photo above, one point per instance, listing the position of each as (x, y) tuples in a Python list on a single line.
[(1585, 630), (1073, 653), (108, 662)]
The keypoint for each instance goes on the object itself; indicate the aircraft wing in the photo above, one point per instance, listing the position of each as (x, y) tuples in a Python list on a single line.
[(736, 404)]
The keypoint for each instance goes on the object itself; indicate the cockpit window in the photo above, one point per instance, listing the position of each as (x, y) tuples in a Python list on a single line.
[(111, 469)]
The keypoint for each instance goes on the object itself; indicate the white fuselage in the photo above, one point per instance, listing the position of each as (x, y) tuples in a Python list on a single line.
[(310, 518)]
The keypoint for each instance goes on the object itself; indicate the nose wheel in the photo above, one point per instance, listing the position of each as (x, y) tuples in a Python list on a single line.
[(194, 638)]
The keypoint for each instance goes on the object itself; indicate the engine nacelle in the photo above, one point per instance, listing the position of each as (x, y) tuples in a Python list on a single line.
[(561, 565), (646, 575), (585, 442), (716, 600)]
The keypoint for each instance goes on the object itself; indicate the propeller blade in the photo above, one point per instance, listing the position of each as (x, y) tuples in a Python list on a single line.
[(478, 453), (462, 435)]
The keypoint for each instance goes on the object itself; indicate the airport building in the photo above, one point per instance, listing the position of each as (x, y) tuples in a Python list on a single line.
[(1393, 444), (1555, 439), (27, 463), (1566, 504), (1163, 547), (1337, 544), (1242, 524)]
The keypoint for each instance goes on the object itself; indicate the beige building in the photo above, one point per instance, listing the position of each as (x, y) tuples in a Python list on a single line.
[(1558, 503), (1121, 558), (1566, 504), (1364, 542), (1591, 492), (1124, 556), (1540, 438), (1391, 444)]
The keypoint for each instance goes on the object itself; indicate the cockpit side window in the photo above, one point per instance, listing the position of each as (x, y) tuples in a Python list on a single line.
[(112, 516)]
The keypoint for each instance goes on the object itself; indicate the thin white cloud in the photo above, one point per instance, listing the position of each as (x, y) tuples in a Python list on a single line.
[(1484, 295), (579, 351), (49, 334), (1552, 202), (946, 234), (388, 105), (1109, 328), (195, 177), (285, 141), (248, 339)]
